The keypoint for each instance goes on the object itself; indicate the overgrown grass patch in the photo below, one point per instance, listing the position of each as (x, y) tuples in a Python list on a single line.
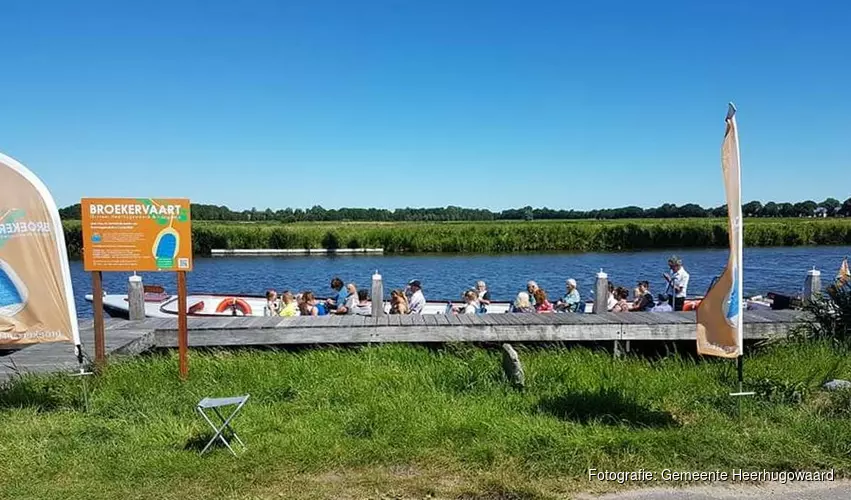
[(415, 421)]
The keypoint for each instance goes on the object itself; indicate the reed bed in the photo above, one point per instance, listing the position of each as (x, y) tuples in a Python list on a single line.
[(505, 237)]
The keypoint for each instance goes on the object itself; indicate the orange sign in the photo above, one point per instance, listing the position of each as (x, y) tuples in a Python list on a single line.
[(136, 234)]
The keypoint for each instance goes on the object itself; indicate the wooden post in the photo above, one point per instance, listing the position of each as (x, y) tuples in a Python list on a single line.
[(601, 293), (812, 285), (182, 333), (136, 298), (377, 295), (97, 307)]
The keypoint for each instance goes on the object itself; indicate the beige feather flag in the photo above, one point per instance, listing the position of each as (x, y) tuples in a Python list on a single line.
[(719, 315)]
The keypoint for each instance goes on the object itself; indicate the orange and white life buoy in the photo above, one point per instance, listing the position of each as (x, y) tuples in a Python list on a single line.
[(235, 305), (691, 305)]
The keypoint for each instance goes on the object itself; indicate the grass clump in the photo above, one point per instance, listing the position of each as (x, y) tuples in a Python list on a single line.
[(414, 421), (506, 236)]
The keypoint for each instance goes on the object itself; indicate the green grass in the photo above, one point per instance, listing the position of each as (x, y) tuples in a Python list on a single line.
[(507, 236), (408, 421)]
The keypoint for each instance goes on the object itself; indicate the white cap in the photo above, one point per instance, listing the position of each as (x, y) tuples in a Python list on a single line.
[(376, 276), (135, 279), (813, 272), (602, 275)]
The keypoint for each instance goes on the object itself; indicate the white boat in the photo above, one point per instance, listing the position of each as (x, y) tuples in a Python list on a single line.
[(159, 304)]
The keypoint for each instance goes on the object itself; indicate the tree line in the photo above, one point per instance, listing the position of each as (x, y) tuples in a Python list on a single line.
[(831, 207)]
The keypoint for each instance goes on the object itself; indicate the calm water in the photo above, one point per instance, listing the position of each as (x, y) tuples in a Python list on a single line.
[(446, 276)]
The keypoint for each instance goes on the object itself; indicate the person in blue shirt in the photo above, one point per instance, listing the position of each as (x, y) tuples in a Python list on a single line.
[(339, 297), (571, 300)]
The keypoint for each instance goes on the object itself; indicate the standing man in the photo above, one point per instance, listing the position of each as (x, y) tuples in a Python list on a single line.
[(678, 281), (417, 301)]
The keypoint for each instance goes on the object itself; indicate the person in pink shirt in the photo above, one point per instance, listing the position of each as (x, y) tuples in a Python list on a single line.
[(542, 305)]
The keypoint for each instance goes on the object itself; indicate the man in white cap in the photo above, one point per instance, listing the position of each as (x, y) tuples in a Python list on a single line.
[(417, 301)]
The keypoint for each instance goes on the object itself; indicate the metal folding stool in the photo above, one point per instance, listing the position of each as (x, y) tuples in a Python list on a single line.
[(214, 404)]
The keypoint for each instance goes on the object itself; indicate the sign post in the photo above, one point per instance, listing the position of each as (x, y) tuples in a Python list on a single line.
[(97, 308), (138, 235)]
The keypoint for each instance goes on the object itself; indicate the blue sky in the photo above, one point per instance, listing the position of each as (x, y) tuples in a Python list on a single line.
[(478, 103)]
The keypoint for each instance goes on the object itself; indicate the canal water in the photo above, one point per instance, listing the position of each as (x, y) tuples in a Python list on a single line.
[(447, 276)]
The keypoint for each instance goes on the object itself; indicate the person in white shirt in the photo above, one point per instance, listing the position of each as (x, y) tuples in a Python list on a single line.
[(611, 301), (417, 301), (471, 302), (678, 282)]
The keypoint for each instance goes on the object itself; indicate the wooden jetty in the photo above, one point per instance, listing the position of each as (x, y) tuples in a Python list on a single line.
[(133, 337)]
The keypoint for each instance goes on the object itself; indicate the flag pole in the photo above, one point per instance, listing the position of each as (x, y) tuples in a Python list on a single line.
[(740, 359)]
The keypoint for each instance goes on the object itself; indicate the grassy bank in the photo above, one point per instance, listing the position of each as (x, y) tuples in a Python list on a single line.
[(476, 237), (402, 420)]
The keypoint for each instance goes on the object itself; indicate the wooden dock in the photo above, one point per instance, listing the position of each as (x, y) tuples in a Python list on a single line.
[(133, 337)]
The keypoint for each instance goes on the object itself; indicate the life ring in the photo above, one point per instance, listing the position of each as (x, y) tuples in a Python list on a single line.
[(235, 304), (691, 305)]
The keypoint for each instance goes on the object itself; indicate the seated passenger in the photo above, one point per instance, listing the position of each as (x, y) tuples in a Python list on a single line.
[(484, 296), (611, 300), (542, 305), (643, 299), (363, 306), (339, 297), (417, 301), (571, 300), (522, 304), (309, 306), (662, 305), (471, 303), (398, 302), (271, 308), (621, 294), (289, 308)]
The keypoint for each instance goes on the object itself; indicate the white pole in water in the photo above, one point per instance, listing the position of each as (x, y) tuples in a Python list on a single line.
[(377, 295), (601, 293), (136, 298)]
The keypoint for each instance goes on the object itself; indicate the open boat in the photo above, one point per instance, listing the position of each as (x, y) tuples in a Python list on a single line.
[(159, 304)]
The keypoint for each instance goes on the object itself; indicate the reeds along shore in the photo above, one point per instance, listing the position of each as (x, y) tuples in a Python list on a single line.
[(478, 237)]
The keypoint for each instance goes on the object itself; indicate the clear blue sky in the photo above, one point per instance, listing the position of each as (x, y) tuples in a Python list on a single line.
[(478, 103)]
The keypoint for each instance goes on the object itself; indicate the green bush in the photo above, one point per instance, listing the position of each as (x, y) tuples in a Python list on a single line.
[(832, 314)]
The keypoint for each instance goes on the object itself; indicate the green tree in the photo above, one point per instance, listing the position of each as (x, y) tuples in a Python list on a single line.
[(752, 209), (770, 210)]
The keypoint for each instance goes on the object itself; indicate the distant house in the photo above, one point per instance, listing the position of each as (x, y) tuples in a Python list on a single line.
[(820, 212)]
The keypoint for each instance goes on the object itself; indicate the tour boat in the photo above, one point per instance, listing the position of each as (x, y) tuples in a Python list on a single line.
[(159, 304)]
